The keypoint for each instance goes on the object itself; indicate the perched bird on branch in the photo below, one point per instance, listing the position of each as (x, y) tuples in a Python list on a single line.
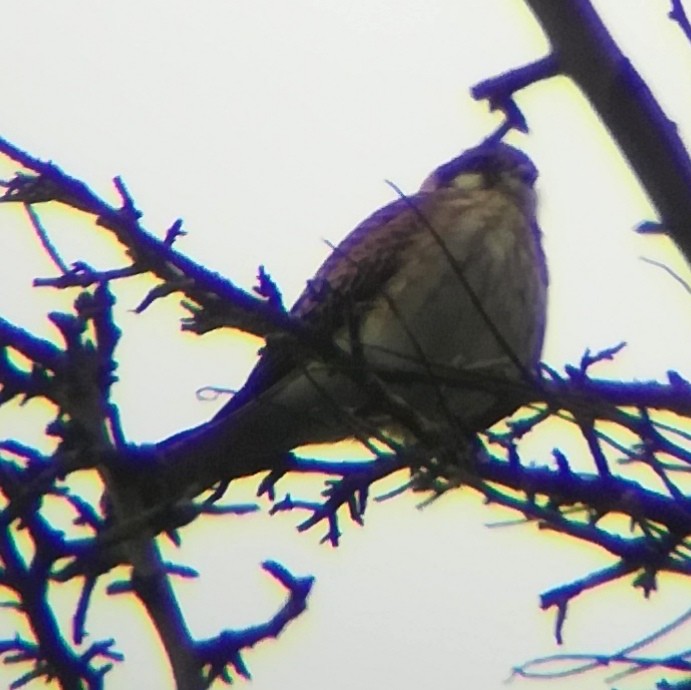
[(411, 319)]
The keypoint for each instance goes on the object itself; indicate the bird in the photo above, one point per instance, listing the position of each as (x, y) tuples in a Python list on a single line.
[(452, 278)]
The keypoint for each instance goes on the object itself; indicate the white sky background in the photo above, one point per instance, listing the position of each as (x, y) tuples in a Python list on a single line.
[(270, 127)]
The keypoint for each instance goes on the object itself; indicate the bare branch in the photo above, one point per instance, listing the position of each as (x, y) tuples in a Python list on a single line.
[(586, 52), (678, 14)]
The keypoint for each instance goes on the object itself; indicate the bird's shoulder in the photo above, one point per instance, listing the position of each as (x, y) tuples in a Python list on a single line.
[(357, 268), (370, 254)]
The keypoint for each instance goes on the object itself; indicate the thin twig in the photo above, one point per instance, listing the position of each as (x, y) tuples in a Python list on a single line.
[(45, 240)]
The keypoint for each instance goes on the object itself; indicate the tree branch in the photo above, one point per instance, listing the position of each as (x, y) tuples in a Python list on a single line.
[(586, 52)]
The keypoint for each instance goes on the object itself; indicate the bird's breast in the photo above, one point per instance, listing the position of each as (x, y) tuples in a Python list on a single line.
[(456, 288)]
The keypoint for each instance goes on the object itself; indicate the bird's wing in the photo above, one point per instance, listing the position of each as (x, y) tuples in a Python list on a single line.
[(350, 277)]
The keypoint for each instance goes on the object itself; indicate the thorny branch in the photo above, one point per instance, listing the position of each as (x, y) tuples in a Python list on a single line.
[(213, 301), (639, 426), (557, 497), (583, 50), (76, 378)]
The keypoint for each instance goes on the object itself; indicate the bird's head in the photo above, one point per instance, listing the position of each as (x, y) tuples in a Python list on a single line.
[(490, 165)]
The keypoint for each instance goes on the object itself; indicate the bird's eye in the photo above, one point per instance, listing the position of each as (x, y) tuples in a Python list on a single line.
[(527, 172)]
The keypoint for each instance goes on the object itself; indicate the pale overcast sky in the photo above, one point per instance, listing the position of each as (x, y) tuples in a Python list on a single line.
[(270, 127)]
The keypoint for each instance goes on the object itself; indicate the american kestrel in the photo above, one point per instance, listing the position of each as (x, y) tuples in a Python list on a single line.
[(453, 276)]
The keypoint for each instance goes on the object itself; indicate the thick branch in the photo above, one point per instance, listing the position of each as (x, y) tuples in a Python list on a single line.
[(587, 53)]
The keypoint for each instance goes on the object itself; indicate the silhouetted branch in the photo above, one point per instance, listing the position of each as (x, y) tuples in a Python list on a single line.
[(76, 377), (499, 90), (224, 650), (678, 14), (585, 51), (215, 301), (50, 656), (576, 664)]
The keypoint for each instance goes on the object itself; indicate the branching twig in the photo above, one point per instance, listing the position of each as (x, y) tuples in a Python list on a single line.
[(225, 650), (586, 52)]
